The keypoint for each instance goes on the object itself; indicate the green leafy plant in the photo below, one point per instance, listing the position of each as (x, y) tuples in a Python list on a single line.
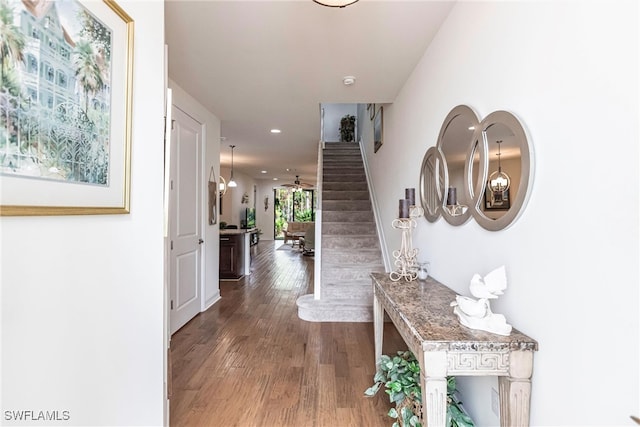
[(347, 128), (456, 417), (400, 375)]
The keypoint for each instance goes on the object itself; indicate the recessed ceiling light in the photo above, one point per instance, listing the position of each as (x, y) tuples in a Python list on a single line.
[(263, 171), (275, 179), (348, 80), (223, 138), (275, 131)]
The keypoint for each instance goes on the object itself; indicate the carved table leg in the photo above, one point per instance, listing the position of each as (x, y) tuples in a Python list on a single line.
[(378, 327), (515, 390), (433, 375)]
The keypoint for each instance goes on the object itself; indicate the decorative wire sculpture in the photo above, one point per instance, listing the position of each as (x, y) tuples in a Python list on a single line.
[(406, 258)]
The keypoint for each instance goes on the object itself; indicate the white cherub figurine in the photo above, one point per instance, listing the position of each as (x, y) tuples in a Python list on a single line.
[(477, 314)]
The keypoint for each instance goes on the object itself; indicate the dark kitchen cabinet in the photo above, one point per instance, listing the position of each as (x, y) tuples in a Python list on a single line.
[(231, 256)]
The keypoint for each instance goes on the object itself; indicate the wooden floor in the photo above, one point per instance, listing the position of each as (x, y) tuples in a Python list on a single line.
[(250, 361)]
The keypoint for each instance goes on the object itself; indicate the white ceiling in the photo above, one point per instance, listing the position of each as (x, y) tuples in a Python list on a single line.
[(266, 64)]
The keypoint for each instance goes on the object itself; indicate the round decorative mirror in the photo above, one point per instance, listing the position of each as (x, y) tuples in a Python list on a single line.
[(504, 187), (432, 184), (454, 142), (477, 169)]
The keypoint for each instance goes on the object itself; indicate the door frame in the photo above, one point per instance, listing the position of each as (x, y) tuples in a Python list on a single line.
[(209, 265), (202, 199)]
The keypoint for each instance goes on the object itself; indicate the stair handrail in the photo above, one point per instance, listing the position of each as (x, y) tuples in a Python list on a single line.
[(375, 206), (317, 262)]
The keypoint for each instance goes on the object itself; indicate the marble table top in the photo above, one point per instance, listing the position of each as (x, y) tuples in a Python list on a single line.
[(423, 308)]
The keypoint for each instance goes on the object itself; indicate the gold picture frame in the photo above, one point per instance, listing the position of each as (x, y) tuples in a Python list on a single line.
[(68, 152)]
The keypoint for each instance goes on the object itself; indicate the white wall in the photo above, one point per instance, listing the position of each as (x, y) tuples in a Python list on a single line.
[(333, 113), (82, 296), (225, 212), (233, 210), (264, 218), (569, 71), (211, 158)]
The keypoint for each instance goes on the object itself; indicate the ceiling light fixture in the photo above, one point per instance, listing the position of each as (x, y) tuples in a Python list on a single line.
[(231, 182), (263, 171), (335, 3), (498, 180), (348, 80), (275, 131)]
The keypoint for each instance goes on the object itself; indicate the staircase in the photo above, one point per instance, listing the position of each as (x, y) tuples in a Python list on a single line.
[(350, 249)]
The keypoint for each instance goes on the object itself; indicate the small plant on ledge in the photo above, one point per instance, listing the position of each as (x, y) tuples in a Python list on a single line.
[(401, 378)]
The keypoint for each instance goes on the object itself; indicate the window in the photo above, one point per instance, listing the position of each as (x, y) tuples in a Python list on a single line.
[(290, 205), (46, 99), (32, 94), (48, 72), (32, 64), (62, 79)]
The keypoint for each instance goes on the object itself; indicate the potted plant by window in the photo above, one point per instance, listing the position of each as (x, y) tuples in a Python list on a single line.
[(401, 378), (347, 128)]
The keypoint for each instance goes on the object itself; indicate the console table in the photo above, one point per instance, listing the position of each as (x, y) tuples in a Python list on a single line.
[(421, 312)]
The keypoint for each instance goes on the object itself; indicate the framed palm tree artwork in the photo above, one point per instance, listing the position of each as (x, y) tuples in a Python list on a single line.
[(65, 107)]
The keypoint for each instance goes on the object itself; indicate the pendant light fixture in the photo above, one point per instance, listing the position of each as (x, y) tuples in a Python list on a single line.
[(232, 183), (498, 180), (335, 3)]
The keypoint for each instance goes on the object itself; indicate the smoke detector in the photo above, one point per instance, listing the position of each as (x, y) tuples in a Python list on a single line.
[(348, 80)]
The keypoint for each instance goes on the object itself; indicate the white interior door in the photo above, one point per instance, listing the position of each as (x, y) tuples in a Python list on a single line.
[(184, 218)]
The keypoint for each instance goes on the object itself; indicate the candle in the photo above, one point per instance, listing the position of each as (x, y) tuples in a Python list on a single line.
[(403, 208), (410, 193), (452, 198)]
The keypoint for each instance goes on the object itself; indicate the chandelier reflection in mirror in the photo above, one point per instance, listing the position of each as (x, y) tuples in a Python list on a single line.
[(499, 181)]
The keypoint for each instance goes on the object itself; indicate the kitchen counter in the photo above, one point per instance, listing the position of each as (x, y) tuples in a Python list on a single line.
[(235, 253)]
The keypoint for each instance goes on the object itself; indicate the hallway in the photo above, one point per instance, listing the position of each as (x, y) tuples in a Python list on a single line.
[(250, 361)]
